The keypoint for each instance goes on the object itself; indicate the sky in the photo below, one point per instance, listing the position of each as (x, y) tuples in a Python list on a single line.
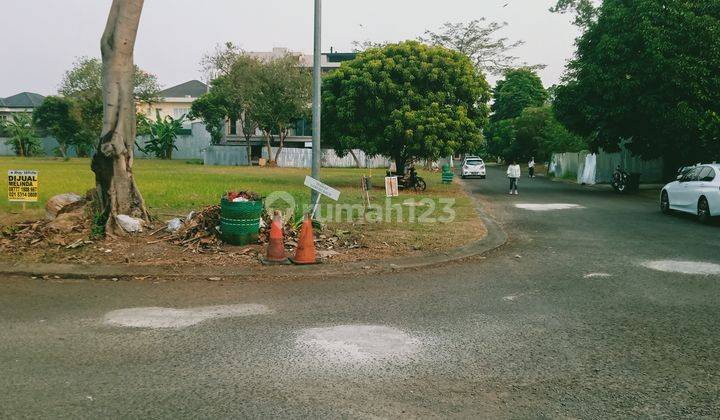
[(40, 39)]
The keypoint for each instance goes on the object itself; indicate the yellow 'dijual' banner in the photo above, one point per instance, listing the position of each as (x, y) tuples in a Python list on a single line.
[(23, 185)]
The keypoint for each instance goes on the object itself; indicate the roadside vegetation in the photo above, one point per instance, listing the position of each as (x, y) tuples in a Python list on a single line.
[(407, 101), (174, 188), (523, 123), (645, 73)]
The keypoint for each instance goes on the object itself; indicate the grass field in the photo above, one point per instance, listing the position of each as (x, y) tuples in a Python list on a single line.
[(176, 187)]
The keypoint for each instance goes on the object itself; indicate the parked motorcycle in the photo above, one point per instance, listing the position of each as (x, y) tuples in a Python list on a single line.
[(620, 181), (415, 182), (624, 182), (410, 181)]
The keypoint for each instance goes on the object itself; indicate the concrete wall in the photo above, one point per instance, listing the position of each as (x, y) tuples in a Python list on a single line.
[(224, 155), (48, 145), (188, 147)]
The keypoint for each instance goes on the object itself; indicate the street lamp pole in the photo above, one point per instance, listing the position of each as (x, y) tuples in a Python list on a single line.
[(316, 105)]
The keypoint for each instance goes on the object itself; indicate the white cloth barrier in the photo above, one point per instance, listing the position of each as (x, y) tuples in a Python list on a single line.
[(587, 175)]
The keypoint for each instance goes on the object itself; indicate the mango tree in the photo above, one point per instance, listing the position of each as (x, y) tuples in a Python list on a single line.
[(406, 101)]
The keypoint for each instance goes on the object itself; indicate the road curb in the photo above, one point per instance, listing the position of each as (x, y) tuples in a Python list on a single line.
[(495, 238)]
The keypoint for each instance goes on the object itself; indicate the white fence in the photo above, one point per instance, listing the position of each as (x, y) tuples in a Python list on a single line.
[(572, 165), (302, 158), (236, 155), (197, 145)]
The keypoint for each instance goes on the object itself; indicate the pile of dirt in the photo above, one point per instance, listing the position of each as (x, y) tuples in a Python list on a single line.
[(69, 227), (199, 231)]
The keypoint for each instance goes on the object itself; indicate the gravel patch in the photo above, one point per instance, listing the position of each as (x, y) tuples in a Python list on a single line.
[(358, 343)]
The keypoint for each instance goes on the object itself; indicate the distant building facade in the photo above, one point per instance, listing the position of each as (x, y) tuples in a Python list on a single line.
[(175, 101), (328, 61), (24, 102)]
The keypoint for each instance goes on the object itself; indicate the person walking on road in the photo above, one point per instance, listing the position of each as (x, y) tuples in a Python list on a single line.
[(513, 173), (531, 168)]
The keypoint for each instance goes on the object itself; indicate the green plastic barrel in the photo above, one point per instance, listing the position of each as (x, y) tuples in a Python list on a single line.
[(447, 176), (240, 222)]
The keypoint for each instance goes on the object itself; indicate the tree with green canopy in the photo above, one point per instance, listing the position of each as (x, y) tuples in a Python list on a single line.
[(539, 134), (83, 84), (281, 95), (60, 117), (534, 133), (521, 88), (585, 11), (405, 101), (646, 73), (84, 79), (211, 109), (238, 86)]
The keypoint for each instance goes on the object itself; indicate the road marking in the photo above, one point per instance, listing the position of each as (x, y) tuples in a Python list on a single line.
[(597, 275), (357, 343), (683, 267), (179, 318), (516, 296), (548, 207)]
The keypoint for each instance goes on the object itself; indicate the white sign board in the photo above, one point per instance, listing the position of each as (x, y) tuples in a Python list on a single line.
[(391, 186), (323, 189)]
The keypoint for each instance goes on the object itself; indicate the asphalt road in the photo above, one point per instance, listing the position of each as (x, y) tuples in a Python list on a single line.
[(520, 333)]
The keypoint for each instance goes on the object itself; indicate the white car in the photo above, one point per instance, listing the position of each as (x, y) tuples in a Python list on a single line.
[(473, 167), (696, 191), (470, 157)]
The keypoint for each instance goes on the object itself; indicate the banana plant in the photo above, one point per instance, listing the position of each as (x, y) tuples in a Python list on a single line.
[(162, 134), (23, 138)]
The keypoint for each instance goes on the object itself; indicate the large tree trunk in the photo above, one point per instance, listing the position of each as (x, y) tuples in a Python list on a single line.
[(113, 159)]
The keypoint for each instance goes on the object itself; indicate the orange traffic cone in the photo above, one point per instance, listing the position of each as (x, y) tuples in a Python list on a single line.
[(305, 253), (276, 247)]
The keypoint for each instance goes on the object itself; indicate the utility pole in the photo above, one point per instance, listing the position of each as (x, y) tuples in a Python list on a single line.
[(316, 106)]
